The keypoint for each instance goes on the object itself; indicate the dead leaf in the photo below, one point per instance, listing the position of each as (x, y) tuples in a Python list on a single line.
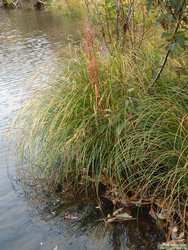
[(70, 217), (161, 223), (174, 234), (181, 236), (162, 215), (175, 229), (174, 242), (124, 216), (110, 220), (117, 211), (153, 214), (160, 203)]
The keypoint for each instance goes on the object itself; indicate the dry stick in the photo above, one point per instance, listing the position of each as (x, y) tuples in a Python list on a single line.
[(141, 39), (88, 11), (117, 21), (133, 24), (167, 53), (108, 24), (162, 67), (102, 28), (165, 58), (127, 21), (14, 3), (105, 41)]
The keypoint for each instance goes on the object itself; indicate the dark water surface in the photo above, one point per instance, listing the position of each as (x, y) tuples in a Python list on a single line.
[(32, 45)]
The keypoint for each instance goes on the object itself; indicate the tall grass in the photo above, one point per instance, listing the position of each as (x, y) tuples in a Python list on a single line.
[(153, 155), (100, 124)]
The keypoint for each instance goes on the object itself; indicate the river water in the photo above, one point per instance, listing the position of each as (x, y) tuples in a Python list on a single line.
[(32, 46)]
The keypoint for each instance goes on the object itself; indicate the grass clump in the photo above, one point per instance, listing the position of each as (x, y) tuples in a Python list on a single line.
[(104, 124), (153, 155)]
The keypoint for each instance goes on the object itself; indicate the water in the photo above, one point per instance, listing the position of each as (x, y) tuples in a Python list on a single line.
[(32, 45)]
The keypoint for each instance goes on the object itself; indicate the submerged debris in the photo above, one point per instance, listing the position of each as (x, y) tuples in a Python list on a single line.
[(70, 217)]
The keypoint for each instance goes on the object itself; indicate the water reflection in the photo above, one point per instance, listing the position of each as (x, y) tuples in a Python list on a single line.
[(85, 231), (32, 46)]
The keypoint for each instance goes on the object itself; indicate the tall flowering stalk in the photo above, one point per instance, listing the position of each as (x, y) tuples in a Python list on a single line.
[(92, 65)]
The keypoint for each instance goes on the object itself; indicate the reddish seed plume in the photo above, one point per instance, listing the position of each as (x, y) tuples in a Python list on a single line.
[(92, 66)]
